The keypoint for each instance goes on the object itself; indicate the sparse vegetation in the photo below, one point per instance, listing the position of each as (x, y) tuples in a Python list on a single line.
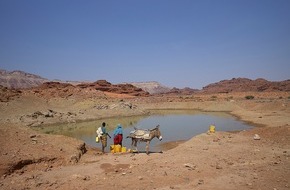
[(250, 97)]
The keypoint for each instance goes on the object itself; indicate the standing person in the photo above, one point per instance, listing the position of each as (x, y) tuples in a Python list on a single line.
[(102, 134), (118, 135)]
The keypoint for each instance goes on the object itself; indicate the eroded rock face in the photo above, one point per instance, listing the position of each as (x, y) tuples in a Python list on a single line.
[(32, 150), (8, 94), (65, 90), (105, 86)]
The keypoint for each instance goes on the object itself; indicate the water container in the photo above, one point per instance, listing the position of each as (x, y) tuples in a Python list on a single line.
[(211, 128), (112, 148), (124, 149), (117, 148)]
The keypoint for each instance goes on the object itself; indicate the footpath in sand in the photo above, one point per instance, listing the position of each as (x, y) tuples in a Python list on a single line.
[(221, 160)]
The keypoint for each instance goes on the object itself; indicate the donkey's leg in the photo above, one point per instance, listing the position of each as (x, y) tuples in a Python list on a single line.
[(147, 147), (132, 144), (136, 145)]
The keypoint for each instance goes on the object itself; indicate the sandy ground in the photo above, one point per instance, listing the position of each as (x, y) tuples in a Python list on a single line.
[(221, 160)]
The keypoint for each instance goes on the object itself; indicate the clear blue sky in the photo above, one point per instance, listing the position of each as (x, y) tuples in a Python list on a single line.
[(179, 43)]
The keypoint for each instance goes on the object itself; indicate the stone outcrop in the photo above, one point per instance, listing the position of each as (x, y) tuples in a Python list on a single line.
[(65, 90), (106, 86), (8, 94)]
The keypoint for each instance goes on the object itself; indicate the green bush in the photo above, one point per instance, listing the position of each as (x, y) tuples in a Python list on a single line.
[(249, 97)]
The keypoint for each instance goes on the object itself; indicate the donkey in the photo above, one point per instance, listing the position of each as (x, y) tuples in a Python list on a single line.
[(144, 136)]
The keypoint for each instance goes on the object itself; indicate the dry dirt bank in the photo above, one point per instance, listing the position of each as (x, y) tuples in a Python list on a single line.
[(217, 161)]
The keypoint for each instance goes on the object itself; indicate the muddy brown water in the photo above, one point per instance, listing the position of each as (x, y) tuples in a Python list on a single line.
[(175, 125)]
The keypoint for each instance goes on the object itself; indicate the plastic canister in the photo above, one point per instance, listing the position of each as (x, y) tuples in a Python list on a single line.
[(212, 128), (117, 148), (124, 149), (112, 148)]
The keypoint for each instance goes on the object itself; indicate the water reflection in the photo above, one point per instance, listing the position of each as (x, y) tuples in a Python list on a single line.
[(175, 125)]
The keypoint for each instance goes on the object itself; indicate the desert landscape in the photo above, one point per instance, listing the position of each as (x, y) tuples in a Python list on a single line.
[(220, 160)]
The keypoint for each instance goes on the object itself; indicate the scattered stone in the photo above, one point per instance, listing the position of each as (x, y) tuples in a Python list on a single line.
[(190, 166), (200, 182), (101, 107), (38, 184), (257, 137), (140, 178), (49, 114), (32, 136), (218, 166), (77, 176)]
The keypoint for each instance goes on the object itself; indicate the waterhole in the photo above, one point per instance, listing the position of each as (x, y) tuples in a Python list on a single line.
[(175, 125)]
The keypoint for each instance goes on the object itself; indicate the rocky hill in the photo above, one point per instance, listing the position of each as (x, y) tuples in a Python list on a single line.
[(152, 87), (64, 90), (20, 79), (247, 85), (84, 90), (106, 86), (7, 94)]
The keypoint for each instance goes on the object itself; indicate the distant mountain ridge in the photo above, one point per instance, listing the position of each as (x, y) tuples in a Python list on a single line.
[(22, 80), (183, 91), (19, 79), (247, 85)]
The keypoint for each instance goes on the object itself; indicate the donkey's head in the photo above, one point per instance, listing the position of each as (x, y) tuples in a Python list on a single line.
[(156, 132)]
